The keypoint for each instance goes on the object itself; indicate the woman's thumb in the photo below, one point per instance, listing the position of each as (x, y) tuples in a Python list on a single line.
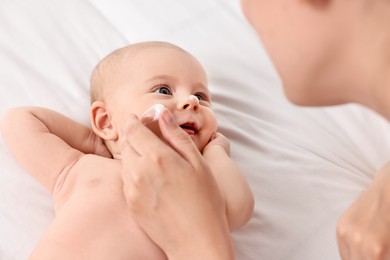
[(177, 138)]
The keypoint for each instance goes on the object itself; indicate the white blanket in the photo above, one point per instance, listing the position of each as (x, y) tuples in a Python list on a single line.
[(305, 165)]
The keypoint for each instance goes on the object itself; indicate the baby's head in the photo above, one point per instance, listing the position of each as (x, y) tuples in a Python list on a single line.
[(132, 79)]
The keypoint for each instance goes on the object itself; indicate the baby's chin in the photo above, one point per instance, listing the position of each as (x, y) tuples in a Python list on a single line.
[(199, 144)]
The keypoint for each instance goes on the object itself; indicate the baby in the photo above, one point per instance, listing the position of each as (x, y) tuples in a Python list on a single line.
[(81, 167)]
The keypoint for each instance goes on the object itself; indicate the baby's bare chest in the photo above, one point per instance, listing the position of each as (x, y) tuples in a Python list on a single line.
[(92, 180), (93, 189), (91, 201)]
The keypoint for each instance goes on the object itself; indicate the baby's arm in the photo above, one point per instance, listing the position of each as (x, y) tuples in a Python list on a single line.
[(47, 143), (233, 185)]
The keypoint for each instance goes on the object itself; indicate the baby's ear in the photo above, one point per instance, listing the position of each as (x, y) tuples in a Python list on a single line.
[(101, 121)]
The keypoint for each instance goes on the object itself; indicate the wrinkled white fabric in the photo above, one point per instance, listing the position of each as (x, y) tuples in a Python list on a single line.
[(305, 165)]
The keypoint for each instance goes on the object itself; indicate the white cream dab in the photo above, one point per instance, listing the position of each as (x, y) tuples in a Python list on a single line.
[(152, 114)]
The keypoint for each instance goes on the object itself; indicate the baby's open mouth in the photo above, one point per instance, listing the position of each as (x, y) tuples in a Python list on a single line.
[(190, 128)]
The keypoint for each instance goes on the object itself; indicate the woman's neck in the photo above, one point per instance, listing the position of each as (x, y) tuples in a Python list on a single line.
[(374, 87), (380, 101)]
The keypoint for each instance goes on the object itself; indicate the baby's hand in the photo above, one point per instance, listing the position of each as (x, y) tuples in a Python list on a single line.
[(101, 148), (221, 140)]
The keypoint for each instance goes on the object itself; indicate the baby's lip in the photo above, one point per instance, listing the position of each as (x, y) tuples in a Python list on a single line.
[(191, 128)]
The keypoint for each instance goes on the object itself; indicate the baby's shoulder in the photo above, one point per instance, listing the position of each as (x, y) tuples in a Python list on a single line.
[(95, 162)]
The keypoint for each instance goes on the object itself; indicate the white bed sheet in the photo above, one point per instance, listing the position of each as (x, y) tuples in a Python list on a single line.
[(305, 165)]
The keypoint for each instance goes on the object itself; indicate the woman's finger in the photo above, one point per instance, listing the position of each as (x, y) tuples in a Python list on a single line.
[(139, 137), (178, 139)]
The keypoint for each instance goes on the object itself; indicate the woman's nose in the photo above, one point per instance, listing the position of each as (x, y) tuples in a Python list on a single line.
[(192, 102)]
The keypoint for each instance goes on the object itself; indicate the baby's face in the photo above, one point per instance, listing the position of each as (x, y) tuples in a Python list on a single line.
[(173, 78)]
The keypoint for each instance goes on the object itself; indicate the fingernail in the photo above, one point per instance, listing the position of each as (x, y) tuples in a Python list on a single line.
[(168, 117)]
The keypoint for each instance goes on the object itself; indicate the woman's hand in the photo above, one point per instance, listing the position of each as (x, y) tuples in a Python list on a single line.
[(172, 193), (363, 231)]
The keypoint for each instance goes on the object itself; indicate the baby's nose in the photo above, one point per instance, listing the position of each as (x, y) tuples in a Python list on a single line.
[(192, 102)]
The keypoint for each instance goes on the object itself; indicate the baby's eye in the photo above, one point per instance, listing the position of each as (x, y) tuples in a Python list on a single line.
[(165, 90), (201, 97)]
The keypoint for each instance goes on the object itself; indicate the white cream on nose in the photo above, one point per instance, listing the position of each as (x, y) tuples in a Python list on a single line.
[(193, 98)]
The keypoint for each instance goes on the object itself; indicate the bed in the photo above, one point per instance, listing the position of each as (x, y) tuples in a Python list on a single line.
[(304, 165)]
